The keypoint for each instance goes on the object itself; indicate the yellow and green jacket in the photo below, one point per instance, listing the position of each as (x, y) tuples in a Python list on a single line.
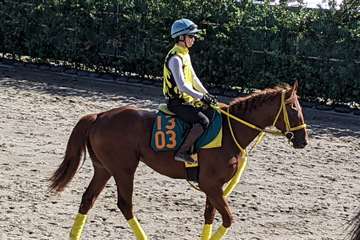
[(170, 88)]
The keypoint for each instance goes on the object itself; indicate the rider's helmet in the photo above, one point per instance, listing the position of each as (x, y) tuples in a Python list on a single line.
[(183, 27)]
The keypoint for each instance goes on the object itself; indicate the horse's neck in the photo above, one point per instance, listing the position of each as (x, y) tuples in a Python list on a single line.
[(244, 134)]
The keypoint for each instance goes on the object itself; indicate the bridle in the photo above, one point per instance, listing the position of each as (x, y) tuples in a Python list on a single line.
[(289, 130), (289, 133)]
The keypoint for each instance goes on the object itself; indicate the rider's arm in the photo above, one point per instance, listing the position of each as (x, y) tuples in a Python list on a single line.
[(197, 83), (175, 66)]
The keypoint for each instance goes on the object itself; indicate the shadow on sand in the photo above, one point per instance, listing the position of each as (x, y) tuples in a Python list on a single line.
[(65, 85)]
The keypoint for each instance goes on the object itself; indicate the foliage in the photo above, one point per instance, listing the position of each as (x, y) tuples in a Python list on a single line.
[(244, 45)]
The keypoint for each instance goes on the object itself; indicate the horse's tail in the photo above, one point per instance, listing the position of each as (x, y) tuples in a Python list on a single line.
[(75, 149), (355, 233)]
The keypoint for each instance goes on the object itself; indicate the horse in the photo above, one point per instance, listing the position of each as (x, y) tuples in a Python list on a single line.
[(118, 139)]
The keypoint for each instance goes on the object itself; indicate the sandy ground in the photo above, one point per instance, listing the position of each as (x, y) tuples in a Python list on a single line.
[(285, 194)]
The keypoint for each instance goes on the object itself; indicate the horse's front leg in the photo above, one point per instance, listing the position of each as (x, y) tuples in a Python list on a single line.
[(217, 200), (209, 215)]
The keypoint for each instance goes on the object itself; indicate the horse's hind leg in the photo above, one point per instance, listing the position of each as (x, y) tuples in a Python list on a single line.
[(97, 184), (124, 179)]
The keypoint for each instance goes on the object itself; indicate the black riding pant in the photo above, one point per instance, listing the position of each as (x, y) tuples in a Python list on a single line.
[(191, 114)]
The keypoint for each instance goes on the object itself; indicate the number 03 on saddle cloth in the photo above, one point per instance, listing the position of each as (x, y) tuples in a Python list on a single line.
[(169, 132)]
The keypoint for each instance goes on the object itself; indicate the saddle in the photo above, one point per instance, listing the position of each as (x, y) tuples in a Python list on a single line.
[(169, 132)]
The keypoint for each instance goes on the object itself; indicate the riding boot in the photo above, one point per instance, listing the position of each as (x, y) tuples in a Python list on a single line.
[(183, 154)]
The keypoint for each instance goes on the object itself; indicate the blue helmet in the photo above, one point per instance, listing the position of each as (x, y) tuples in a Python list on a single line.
[(183, 27)]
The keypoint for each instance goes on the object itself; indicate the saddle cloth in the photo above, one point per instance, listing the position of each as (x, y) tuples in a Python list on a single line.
[(169, 132)]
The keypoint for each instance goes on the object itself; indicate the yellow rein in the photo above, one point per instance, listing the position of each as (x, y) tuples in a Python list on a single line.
[(262, 132), (244, 154)]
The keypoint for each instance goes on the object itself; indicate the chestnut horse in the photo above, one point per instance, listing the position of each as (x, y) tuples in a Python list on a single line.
[(118, 139)]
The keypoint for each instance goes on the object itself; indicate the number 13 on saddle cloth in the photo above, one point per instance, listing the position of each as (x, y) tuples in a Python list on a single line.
[(169, 132)]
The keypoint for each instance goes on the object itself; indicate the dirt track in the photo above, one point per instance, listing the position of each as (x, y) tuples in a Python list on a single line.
[(285, 194)]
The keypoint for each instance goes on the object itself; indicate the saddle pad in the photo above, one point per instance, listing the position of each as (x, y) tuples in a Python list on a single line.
[(169, 132)]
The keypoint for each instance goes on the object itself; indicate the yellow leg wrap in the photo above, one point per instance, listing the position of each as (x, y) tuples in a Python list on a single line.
[(219, 233), (137, 229), (78, 227), (206, 232)]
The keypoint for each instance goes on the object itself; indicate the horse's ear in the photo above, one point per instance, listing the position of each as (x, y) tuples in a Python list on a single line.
[(295, 86), (292, 91)]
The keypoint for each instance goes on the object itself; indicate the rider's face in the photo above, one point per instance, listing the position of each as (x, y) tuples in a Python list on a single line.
[(189, 40)]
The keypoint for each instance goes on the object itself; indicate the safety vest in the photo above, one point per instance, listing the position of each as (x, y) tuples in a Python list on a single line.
[(170, 88)]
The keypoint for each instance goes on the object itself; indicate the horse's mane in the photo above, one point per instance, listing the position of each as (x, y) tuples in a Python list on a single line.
[(257, 98)]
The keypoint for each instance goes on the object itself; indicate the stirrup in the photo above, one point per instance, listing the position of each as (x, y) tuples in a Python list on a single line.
[(184, 157)]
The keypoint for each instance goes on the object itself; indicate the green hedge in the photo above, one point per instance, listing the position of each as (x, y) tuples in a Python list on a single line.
[(245, 46)]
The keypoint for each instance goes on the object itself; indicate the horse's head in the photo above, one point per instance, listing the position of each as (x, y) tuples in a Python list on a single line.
[(291, 121)]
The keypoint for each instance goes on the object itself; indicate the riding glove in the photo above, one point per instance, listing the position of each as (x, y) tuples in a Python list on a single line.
[(209, 99)]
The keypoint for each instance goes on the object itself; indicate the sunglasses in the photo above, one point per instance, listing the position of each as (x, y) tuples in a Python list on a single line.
[(191, 36)]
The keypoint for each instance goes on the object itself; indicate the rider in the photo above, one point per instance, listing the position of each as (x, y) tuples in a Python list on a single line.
[(183, 90)]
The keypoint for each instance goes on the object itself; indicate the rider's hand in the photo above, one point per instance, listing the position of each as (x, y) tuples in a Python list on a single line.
[(209, 99)]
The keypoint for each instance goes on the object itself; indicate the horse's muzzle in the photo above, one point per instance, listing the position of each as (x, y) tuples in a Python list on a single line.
[(297, 142)]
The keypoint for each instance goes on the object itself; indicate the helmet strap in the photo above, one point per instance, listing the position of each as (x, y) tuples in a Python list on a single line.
[(182, 39)]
